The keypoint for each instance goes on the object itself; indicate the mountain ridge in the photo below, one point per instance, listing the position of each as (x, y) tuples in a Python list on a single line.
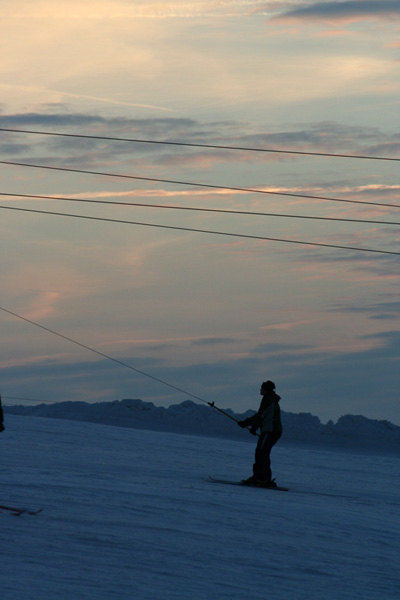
[(350, 431)]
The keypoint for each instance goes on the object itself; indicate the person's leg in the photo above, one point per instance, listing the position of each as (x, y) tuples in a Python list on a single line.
[(262, 464)]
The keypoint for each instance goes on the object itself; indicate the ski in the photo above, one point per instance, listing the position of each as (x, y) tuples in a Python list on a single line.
[(244, 484), (20, 511)]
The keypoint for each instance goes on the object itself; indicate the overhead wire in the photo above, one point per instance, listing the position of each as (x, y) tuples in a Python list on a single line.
[(203, 185), (199, 145), (119, 362), (207, 231), (197, 209), (250, 190), (102, 354), (194, 184)]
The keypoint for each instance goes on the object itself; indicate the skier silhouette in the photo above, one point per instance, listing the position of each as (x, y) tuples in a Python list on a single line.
[(268, 420)]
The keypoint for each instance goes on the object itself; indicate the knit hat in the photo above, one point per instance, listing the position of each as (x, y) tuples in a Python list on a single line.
[(268, 385)]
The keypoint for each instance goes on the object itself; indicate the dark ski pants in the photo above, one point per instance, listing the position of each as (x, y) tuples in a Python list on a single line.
[(262, 464)]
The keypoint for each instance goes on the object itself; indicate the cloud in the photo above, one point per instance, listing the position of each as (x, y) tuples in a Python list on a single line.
[(214, 341), (147, 159), (383, 310), (11, 149), (392, 45), (272, 348), (78, 120), (323, 136), (92, 10), (324, 382), (342, 12)]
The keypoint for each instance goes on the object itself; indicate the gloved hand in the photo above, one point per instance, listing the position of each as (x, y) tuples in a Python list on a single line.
[(241, 424)]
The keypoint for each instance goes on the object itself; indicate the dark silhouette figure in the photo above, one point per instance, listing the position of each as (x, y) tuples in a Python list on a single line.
[(268, 421)]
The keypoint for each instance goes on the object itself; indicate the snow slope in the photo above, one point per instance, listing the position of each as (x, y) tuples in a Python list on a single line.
[(128, 516)]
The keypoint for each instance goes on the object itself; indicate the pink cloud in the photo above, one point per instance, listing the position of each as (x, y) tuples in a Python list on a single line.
[(288, 326), (43, 305)]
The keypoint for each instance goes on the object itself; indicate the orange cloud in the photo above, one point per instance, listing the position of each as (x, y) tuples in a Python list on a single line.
[(332, 33), (392, 45)]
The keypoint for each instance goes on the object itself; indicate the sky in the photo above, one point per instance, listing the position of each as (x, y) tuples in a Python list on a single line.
[(210, 314)]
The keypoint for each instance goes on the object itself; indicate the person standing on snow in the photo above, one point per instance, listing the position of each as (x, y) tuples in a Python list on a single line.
[(268, 420)]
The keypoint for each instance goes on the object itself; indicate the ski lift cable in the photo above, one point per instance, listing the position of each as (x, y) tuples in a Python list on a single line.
[(197, 208), (195, 184), (115, 360), (207, 231), (30, 399), (199, 145)]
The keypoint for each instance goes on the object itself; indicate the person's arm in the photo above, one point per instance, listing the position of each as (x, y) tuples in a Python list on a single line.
[(253, 422)]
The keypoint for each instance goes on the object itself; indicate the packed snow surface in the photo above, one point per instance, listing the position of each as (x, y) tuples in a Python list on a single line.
[(128, 516)]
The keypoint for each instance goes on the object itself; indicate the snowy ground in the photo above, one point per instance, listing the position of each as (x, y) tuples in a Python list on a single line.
[(128, 516)]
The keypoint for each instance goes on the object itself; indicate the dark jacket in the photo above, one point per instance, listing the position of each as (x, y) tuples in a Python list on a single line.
[(268, 417)]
